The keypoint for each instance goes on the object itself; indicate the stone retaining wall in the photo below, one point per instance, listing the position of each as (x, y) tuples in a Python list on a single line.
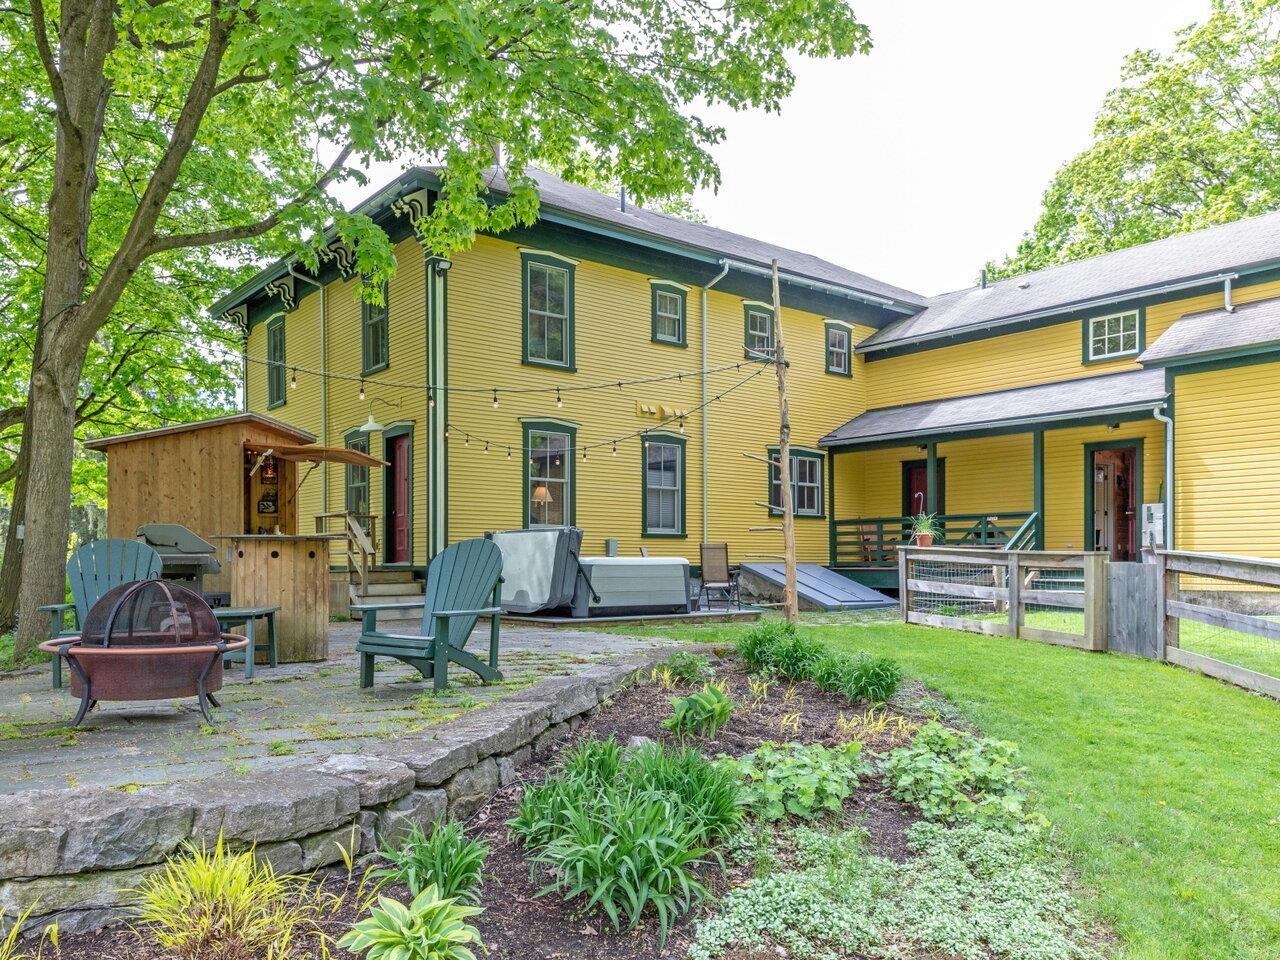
[(75, 855)]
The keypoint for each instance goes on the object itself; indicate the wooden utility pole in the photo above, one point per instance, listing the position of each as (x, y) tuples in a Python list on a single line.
[(790, 605)]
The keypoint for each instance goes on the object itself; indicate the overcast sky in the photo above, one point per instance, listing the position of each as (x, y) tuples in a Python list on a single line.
[(917, 163)]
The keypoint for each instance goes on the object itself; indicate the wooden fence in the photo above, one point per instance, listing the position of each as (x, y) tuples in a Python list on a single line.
[(1082, 600)]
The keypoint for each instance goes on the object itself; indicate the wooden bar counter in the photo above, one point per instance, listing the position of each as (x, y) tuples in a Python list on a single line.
[(290, 572)]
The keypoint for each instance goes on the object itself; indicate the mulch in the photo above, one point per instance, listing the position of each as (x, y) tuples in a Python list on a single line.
[(517, 924)]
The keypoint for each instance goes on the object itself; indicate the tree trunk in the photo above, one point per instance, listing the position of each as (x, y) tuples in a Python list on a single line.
[(790, 602), (11, 567)]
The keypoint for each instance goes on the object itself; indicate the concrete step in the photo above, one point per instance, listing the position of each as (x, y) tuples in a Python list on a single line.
[(388, 598), (390, 589), (390, 576)]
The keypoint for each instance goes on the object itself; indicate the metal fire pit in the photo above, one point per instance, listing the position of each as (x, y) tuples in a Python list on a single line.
[(147, 640)]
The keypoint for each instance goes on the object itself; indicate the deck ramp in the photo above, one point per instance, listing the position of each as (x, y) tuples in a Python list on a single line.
[(821, 587)]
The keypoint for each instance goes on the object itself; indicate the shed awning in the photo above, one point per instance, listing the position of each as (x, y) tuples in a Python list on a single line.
[(1195, 337), (1089, 399), (316, 454)]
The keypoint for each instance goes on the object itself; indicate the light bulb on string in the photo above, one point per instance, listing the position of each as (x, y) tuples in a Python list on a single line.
[(584, 453), (362, 390), (486, 446), (431, 399), (615, 448), (495, 399), (508, 453), (293, 379), (466, 439), (559, 399)]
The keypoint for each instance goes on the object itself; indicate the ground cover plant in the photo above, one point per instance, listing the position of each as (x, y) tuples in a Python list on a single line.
[(1158, 782), (799, 780)]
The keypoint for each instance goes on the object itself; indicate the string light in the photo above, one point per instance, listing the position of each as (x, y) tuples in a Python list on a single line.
[(486, 446), (362, 390), (508, 453), (559, 399), (495, 399), (293, 379), (615, 448), (431, 398)]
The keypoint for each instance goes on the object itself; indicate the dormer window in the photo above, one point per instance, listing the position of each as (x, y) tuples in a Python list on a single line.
[(1113, 336)]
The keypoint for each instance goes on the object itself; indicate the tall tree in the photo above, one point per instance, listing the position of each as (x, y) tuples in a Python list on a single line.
[(207, 109), (1190, 138)]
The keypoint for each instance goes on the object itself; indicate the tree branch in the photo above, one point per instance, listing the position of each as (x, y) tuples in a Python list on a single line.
[(46, 57)]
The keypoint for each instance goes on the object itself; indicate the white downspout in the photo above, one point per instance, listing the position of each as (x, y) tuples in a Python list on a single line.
[(724, 269), (324, 388), (1160, 415)]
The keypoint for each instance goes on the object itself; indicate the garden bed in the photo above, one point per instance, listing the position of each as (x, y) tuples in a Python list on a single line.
[(523, 920)]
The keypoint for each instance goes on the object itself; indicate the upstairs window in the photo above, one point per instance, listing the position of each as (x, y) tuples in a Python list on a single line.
[(548, 311), (1110, 337), (838, 343), (806, 483), (758, 331), (668, 305), (374, 335), (275, 362)]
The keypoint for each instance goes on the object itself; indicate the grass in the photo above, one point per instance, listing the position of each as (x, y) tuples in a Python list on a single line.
[(9, 662), (1160, 783)]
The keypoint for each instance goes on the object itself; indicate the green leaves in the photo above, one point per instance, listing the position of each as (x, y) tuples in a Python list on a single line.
[(775, 647), (796, 780), (430, 928), (702, 713), (954, 776), (447, 859)]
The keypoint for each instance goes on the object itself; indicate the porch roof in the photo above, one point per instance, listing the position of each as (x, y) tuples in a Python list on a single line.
[(1117, 395), (1195, 337)]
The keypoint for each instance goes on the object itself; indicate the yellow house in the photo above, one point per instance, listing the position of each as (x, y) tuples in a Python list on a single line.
[(603, 368)]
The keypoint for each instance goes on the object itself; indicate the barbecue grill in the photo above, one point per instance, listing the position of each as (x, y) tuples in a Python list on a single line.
[(185, 558), (146, 640)]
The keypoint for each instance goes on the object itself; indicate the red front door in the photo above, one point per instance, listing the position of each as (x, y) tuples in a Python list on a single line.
[(915, 487), (398, 510)]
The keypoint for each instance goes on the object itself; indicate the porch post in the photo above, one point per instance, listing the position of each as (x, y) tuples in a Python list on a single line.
[(931, 479), (1037, 484)]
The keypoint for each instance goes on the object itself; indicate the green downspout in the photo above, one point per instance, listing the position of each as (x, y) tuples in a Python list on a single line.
[(1037, 484), (931, 478)]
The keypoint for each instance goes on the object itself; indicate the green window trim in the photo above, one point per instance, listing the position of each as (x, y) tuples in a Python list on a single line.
[(275, 363), (570, 481), (375, 334), (355, 478), (1087, 336), (681, 498), (818, 460), (827, 329), (665, 295), (551, 263), (756, 310)]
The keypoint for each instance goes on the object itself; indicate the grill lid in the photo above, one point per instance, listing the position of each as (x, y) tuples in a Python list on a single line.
[(150, 613)]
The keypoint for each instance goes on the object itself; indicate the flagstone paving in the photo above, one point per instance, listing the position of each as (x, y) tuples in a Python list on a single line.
[(292, 710)]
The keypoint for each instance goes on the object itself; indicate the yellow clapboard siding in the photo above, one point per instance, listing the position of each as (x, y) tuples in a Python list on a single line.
[(1043, 355), (1227, 461)]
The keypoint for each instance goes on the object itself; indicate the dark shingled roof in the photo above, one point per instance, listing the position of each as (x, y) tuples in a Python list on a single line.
[(1043, 403), (557, 194), (1133, 271), (1212, 332)]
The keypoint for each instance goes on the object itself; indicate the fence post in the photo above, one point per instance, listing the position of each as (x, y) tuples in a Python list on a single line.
[(1095, 601), (1167, 590), (904, 594), (1014, 583)]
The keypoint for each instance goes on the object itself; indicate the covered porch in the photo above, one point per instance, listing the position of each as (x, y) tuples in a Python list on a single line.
[(1063, 466)]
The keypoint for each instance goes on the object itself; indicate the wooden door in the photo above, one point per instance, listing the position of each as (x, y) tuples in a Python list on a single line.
[(915, 487), (400, 502), (1115, 502)]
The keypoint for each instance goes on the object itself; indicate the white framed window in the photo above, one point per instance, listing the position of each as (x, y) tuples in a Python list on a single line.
[(548, 296), (837, 349), (549, 483), (758, 331), (806, 484), (663, 488), (1113, 336), (668, 316)]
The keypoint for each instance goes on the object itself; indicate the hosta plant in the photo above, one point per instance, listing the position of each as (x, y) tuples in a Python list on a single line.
[(703, 713), (431, 927), (804, 781)]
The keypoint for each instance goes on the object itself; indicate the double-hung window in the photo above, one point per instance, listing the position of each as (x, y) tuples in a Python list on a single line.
[(838, 344), (664, 486), (1117, 335), (548, 475), (275, 362), (357, 478), (757, 331), (806, 483), (668, 313), (374, 335), (548, 310)]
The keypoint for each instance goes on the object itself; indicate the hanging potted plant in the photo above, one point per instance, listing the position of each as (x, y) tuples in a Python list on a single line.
[(924, 529)]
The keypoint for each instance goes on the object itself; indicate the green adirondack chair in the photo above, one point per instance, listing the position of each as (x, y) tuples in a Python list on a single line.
[(93, 569), (464, 583)]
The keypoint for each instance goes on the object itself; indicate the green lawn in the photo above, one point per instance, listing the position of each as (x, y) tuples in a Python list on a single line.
[(1163, 785)]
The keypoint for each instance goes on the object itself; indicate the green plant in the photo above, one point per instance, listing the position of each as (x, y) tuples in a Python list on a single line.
[(925, 525), (952, 775), (232, 906), (704, 712), (800, 780), (859, 677), (431, 927), (12, 949), (708, 793), (448, 859), (688, 668), (775, 646)]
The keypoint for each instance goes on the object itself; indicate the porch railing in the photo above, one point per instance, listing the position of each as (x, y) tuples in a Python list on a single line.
[(873, 541)]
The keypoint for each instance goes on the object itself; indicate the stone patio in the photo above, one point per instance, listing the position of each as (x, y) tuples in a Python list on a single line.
[(298, 710)]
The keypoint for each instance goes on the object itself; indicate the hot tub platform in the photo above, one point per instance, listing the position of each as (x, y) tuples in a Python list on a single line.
[(745, 615)]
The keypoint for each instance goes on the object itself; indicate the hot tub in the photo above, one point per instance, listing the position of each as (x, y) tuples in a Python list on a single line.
[(633, 585)]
